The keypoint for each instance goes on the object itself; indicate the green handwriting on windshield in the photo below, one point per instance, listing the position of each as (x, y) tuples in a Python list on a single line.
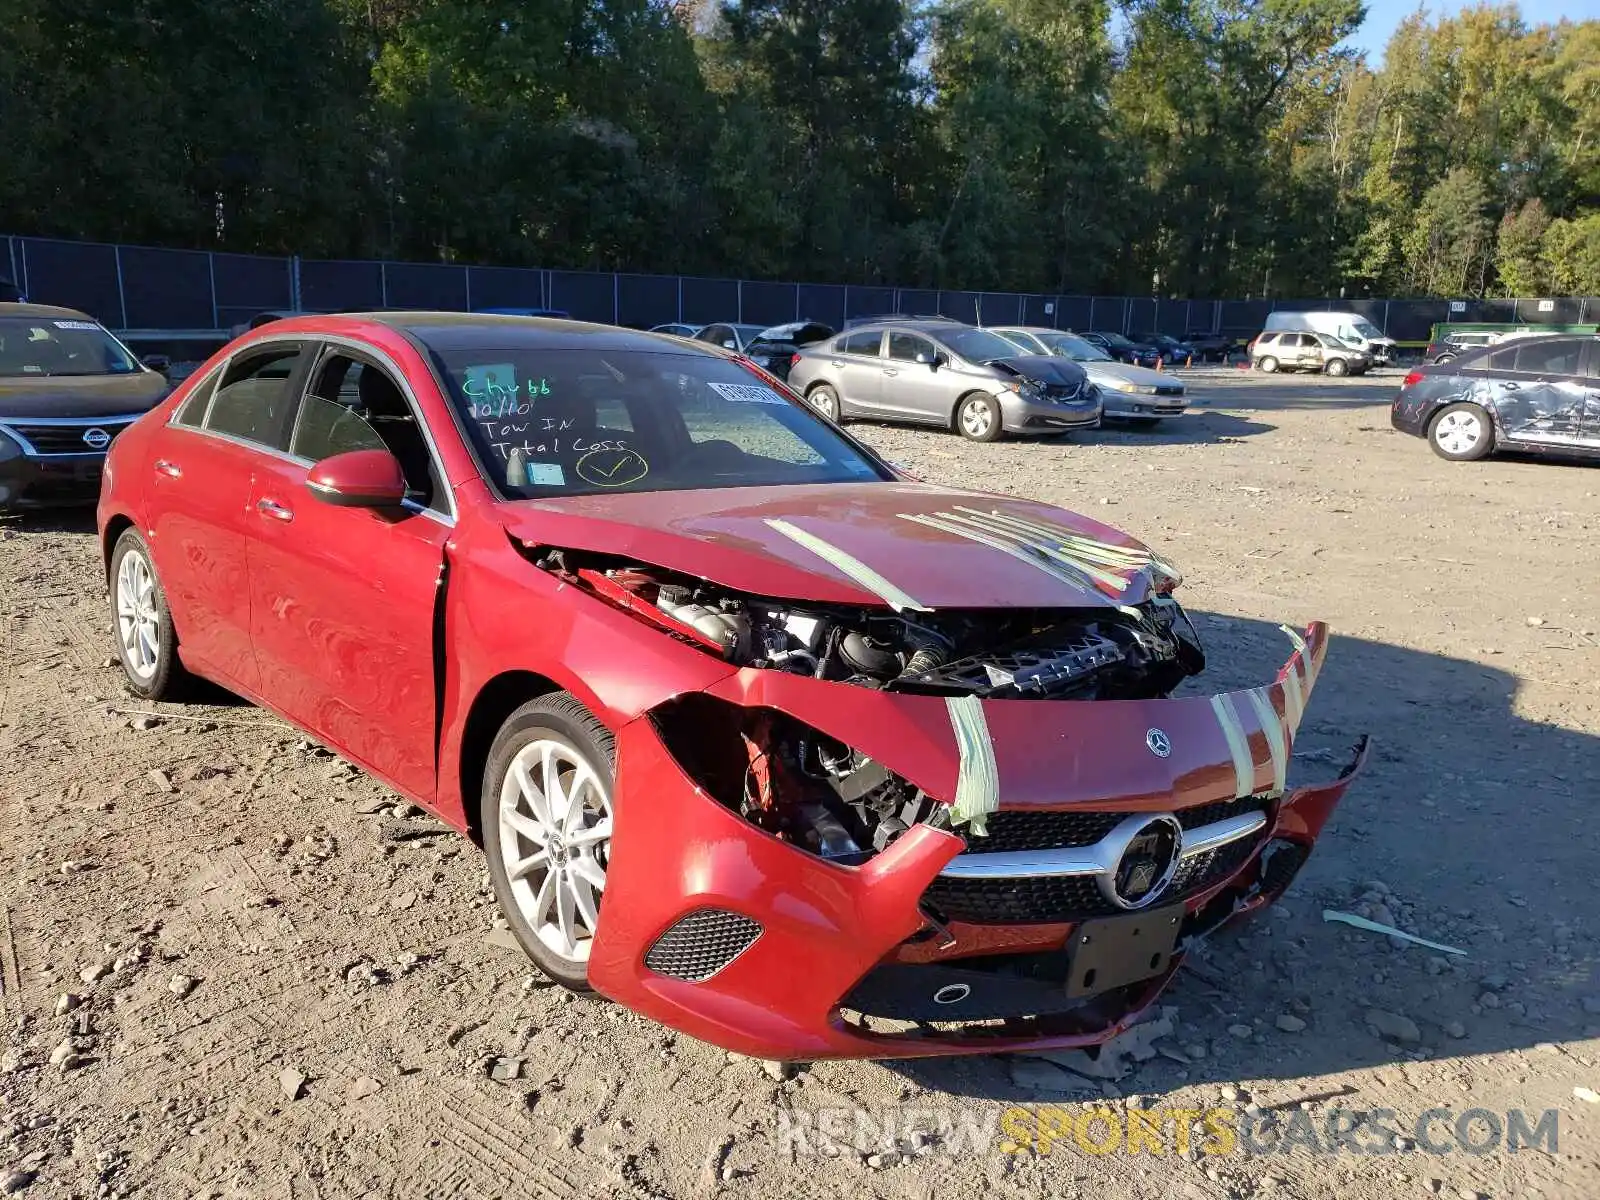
[(493, 392)]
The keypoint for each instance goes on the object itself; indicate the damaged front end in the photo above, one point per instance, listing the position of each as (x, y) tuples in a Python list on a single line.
[(900, 832)]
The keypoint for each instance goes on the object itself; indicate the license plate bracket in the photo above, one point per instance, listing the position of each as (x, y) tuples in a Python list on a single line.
[(1112, 952)]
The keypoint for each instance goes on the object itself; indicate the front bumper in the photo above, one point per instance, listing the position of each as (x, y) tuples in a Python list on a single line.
[(1142, 405), (1021, 415), (793, 957), (50, 481)]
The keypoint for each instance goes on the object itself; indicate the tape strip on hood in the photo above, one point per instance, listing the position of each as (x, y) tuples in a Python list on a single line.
[(977, 778), (850, 566)]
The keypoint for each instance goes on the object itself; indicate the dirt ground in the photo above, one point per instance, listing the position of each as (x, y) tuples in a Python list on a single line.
[(230, 969)]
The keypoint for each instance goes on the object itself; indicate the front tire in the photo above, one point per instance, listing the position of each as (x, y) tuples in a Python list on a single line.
[(1461, 432), (546, 818), (1268, 364), (1338, 367), (147, 644), (978, 418)]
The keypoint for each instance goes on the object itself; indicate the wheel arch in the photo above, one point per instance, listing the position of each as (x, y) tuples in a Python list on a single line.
[(496, 700), (955, 409), (116, 525)]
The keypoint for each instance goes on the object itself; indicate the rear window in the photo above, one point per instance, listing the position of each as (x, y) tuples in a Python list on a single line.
[(60, 346), (579, 422)]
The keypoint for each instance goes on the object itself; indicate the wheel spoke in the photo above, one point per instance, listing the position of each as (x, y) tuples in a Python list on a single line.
[(600, 831), (582, 780), (583, 898), (523, 826), (556, 800), (565, 906), (531, 792), (588, 870), (538, 860), (543, 899)]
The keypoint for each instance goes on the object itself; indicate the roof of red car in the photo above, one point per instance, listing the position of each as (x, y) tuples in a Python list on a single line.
[(468, 331)]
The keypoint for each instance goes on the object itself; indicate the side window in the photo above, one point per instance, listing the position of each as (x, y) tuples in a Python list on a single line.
[(862, 343), (193, 410), (1553, 356), (253, 401), (908, 347), (1500, 360), (353, 404)]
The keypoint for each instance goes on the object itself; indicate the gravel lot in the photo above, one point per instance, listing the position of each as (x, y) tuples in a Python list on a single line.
[(231, 968)]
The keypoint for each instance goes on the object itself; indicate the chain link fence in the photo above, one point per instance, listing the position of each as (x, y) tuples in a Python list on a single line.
[(148, 292)]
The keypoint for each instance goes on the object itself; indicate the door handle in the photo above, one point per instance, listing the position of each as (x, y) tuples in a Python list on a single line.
[(891, 371), (836, 362), (271, 508), (170, 469)]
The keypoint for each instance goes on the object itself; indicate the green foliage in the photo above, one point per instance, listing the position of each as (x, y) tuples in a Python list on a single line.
[(1181, 147)]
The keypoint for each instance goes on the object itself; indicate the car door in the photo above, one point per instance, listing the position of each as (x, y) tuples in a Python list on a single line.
[(1539, 388), (914, 389), (345, 601), (857, 366), (203, 465), (1589, 419)]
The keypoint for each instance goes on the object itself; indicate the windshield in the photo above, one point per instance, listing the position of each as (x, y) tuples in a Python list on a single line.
[(977, 345), (1116, 339), (578, 422), (60, 346), (1331, 343), (1365, 329), (1074, 348)]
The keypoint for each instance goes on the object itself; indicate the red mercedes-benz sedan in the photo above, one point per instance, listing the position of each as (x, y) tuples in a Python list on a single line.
[(760, 737)]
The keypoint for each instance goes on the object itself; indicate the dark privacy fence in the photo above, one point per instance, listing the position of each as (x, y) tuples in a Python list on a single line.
[(137, 288)]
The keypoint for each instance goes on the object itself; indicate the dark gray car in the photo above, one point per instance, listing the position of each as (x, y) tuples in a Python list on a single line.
[(946, 374), (67, 388)]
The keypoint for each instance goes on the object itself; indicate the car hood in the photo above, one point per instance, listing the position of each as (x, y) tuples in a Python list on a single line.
[(908, 545), (1111, 374), (1041, 368), (26, 396)]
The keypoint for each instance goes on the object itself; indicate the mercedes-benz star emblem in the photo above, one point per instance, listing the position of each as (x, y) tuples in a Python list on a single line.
[(1148, 863), (1160, 744), (96, 438)]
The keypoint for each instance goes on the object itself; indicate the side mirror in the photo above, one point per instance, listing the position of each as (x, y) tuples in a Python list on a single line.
[(157, 362), (358, 479), (940, 359)]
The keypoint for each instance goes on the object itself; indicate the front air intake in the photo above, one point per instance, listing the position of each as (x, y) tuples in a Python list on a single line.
[(701, 944)]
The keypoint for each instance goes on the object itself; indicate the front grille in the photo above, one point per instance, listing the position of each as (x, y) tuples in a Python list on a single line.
[(1168, 390), (701, 944), (65, 439), (1020, 829), (1042, 899)]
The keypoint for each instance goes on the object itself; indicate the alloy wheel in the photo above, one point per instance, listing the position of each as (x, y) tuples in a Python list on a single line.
[(138, 623), (555, 831)]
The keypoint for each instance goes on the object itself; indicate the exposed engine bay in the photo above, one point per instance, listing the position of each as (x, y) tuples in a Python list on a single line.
[(1130, 653), (815, 791)]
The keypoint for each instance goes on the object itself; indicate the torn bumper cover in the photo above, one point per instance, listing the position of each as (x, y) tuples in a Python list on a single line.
[(1105, 822)]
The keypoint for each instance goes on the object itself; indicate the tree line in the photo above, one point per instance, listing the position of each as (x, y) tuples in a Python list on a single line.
[(1169, 147)]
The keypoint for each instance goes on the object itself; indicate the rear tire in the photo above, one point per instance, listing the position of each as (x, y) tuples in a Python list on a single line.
[(147, 643), (545, 808), (826, 401), (978, 418), (1267, 364), (1461, 432)]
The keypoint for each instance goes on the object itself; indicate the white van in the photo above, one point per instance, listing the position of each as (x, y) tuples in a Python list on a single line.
[(1349, 328)]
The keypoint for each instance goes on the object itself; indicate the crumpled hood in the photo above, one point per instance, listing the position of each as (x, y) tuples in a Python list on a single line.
[(25, 396), (1047, 369), (908, 545)]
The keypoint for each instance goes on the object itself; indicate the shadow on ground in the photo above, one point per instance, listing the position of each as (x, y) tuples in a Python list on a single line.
[(1480, 824)]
